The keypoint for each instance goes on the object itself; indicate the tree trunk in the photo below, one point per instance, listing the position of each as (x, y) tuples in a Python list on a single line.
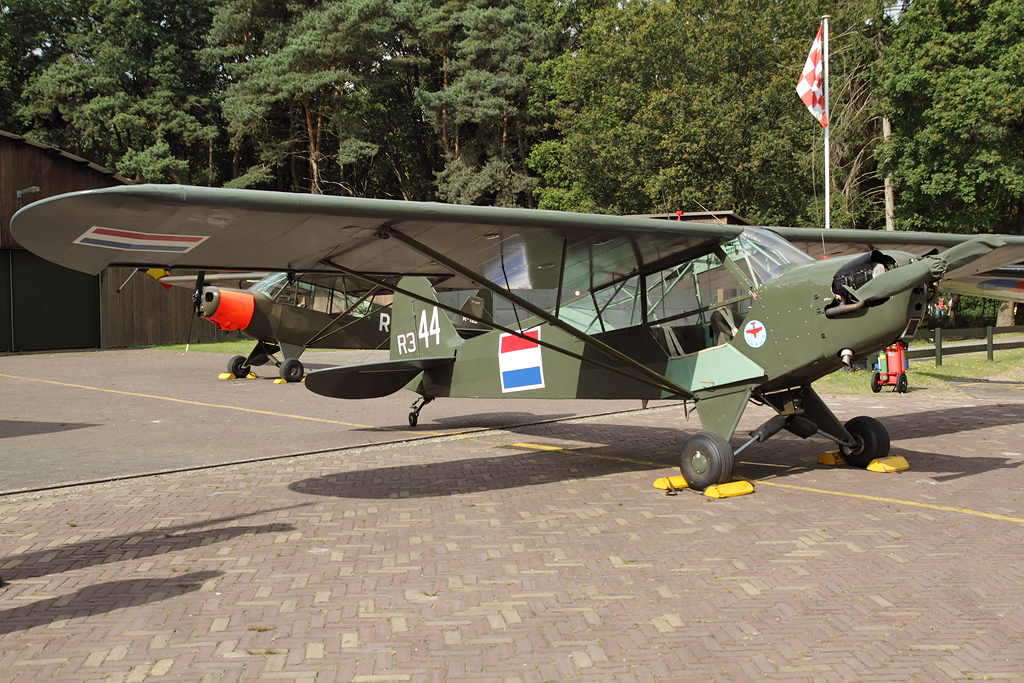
[(1005, 317), (314, 151)]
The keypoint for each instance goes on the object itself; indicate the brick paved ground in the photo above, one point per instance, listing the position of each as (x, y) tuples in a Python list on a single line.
[(533, 553)]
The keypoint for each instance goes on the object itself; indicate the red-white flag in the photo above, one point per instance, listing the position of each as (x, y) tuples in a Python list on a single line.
[(809, 87)]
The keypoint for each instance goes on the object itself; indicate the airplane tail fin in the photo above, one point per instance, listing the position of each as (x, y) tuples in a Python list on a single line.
[(419, 329)]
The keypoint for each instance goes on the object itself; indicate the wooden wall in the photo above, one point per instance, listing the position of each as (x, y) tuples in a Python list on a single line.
[(25, 163), (143, 314), (146, 314)]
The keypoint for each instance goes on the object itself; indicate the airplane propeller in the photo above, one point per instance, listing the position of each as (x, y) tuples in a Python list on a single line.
[(926, 270), (197, 302)]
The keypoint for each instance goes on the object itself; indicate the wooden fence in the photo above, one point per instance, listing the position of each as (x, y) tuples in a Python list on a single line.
[(939, 338)]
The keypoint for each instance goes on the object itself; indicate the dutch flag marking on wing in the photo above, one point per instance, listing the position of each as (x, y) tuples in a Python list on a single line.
[(519, 362), (109, 238)]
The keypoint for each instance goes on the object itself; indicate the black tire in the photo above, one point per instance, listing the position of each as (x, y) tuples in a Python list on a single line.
[(707, 460), (872, 441), (413, 419), (902, 383), (292, 370), (876, 382), (238, 367)]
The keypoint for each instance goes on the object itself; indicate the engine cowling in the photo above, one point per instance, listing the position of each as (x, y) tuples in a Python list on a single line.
[(228, 309)]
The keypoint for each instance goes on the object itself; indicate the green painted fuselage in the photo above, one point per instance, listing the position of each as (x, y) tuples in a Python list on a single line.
[(790, 343)]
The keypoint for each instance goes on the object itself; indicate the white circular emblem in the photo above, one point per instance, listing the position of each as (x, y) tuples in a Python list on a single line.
[(755, 334)]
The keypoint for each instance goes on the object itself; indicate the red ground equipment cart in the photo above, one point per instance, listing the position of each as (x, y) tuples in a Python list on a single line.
[(891, 369)]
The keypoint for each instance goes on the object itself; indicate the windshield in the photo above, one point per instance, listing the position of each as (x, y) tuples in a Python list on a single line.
[(692, 293), (763, 255), (270, 285)]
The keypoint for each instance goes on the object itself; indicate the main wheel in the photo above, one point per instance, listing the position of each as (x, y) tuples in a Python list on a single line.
[(901, 383), (876, 382), (707, 460), (238, 367), (292, 370), (872, 441)]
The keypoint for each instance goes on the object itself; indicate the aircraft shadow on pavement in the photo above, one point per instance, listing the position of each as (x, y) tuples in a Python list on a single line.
[(512, 468), (107, 550), (783, 455), (100, 598), (13, 428)]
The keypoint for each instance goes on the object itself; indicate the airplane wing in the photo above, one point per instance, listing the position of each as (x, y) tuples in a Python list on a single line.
[(1005, 284), (174, 226)]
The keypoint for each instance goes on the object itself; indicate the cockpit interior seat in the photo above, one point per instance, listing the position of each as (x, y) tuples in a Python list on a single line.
[(723, 325)]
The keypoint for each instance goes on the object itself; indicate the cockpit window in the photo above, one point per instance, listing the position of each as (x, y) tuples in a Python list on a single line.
[(699, 302), (279, 288), (762, 256), (271, 285)]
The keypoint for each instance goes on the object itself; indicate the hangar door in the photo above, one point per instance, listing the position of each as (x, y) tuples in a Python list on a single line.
[(46, 306)]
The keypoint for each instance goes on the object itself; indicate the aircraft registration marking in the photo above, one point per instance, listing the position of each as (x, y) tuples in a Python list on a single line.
[(406, 343), (130, 240), (520, 363)]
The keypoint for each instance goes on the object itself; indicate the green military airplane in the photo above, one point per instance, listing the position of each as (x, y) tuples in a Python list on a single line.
[(718, 315), (289, 312)]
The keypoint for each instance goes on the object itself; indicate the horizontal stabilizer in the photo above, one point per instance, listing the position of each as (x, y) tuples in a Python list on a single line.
[(371, 380)]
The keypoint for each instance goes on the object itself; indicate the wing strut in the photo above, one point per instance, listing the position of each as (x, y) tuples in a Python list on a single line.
[(658, 379), (561, 275)]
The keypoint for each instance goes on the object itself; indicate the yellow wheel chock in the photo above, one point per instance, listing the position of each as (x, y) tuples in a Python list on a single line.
[(733, 488)]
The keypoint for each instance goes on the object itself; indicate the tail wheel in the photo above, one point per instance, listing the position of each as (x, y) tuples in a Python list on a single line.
[(238, 367), (292, 370), (876, 382), (707, 460), (872, 441)]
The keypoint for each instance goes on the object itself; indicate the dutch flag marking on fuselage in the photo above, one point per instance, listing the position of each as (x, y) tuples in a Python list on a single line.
[(109, 238), (519, 362)]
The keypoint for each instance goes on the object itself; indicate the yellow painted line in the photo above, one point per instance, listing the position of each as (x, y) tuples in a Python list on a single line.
[(538, 447), (212, 405), (897, 501)]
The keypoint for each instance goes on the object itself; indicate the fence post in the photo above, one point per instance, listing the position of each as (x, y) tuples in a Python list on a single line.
[(988, 342), (938, 346)]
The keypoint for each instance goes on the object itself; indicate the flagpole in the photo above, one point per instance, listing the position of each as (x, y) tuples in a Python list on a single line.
[(828, 182)]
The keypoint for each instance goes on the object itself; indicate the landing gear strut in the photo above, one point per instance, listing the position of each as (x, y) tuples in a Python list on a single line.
[(417, 406)]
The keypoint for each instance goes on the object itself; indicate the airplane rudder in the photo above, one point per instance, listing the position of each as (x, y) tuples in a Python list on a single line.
[(420, 329)]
